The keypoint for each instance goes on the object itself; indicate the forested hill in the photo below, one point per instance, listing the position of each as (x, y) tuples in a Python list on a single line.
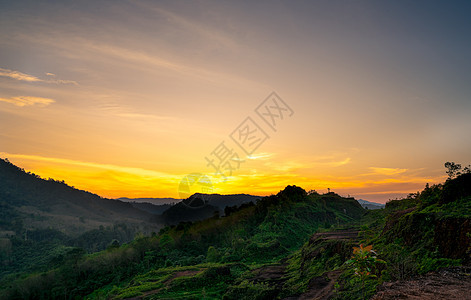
[(28, 201), (294, 245), (202, 206), (250, 234)]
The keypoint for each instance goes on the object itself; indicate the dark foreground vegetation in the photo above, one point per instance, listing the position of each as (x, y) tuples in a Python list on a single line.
[(293, 244), (42, 222)]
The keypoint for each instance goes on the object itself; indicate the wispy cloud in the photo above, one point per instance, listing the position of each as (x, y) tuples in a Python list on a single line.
[(333, 160), (286, 166), (139, 58), (144, 116), (129, 56), (209, 33), (17, 75), (261, 156), (339, 163), (61, 81), (388, 171), (300, 164), (28, 101), (125, 111)]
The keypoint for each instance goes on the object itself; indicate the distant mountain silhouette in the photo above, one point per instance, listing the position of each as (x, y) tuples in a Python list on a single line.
[(192, 209), (370, 205), (221, 201), (154, 201), (40, 203), (218, 200), (202, 206), (151, 208)]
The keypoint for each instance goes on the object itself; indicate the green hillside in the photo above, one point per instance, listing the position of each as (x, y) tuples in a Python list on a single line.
[(249, 236), (50, 203), (42, 221), (291, 245)]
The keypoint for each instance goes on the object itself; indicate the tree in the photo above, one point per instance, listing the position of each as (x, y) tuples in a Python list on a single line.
[(114, 244), (453, 170)]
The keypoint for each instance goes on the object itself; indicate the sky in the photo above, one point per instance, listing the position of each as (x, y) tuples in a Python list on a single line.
[(126, 98)]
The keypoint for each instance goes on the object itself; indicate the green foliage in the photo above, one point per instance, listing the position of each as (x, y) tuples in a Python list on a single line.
[(403, 204), (248, 290), (43, 219), (255, 234), (364, 261), (352, 288), (208, 281), (218, 257), (401, 263), (456, 189), (313, 259), (213, 255)]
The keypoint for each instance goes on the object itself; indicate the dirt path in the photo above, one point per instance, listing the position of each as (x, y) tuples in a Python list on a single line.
[(449, 283), (335, 235), (321, 287), (274, 275), (167, 282)]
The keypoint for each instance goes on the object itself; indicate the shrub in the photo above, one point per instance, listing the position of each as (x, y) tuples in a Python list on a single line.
[(364, 263)]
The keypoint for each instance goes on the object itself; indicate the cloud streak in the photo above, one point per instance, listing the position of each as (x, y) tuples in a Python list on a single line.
[(210, 34), (261, 156), (28, 101), (339, 163), (17, 75), (388, 171), (139, 58), (61, 81)]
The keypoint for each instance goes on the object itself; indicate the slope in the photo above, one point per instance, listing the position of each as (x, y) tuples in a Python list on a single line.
[(222, 247), (29, 202)]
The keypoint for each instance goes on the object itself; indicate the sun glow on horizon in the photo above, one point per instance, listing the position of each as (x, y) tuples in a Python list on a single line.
[(125, 99), (113, 181)]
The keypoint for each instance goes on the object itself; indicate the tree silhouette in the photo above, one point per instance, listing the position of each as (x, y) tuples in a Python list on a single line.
[(453, 170)]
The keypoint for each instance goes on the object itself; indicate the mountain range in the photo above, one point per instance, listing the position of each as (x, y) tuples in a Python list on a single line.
[(29, 202), (291, 245), (370, 205)]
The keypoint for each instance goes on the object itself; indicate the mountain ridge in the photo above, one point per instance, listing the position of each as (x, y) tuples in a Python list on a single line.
[(62, 206), (292, 245), (370, 204)]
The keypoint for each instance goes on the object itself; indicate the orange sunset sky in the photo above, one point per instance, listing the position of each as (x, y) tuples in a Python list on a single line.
[(124, 98)]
